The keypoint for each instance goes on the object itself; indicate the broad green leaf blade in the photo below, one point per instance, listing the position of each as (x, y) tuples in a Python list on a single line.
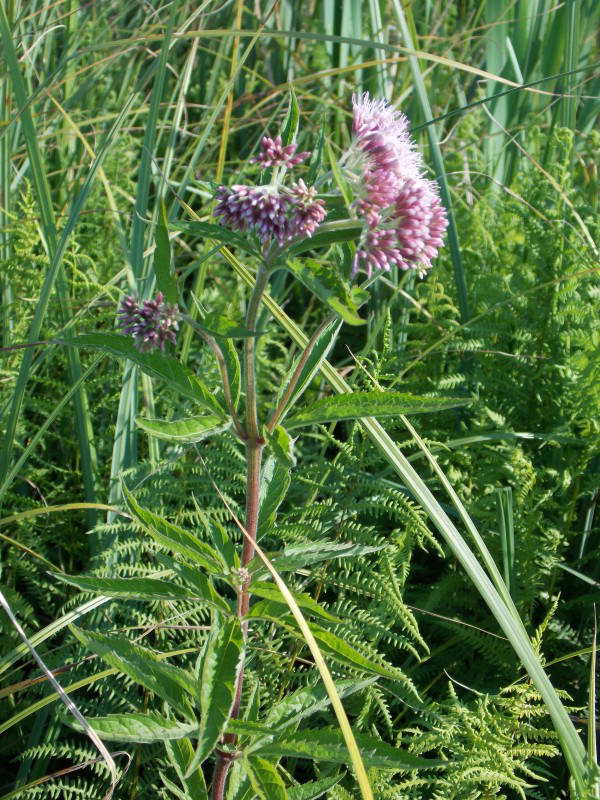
[(270, 592), (222, 661), (180, 753), (292, 120), (174, 538), (142, 666), (326, 284), (265, 779), (244, 727), (158, 365), (329, 745), (313, 789), (140, 728), (282, 446), (302, 555), (130, 588), (183, 431), (320, 350), (275, 481), (209, 230), (200, 586), (345, 230), (355, 405), (162, 257)]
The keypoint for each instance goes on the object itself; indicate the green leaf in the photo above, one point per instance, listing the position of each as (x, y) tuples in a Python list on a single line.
[(143, 667), (244, 727), (219, 326), (184, 431), (202, 587), (208, 230), (292, 120), (220, 539), (355, 405), (282, 446), (339, 178), (222, 661), (181, 794), (180, 753), (174, 538), (274, 483), (343, 230), (131, 588), (302, 555), (329, 287), (313, 789), (162, 257), (270, 592), (175, 375), (265, 779), (141, 728), (318, 354), (329, 745)]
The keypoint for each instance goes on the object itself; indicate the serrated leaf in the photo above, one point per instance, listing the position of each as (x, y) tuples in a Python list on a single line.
[(222, 661), (180, 753), (270, 592), (355, 405), (329, 745), (209, 230), (244, 727), (282, 446), (183, 431), (199, 584), (343, 230), (302, 555), (174, 538), (329, 287), (143, 667), (292, 120), (313, 789), (265, 779), (141, 728), (275, 481), (223, 544), (318, 354), (162, 256), (130, 588), (175, 375), (181, 794)]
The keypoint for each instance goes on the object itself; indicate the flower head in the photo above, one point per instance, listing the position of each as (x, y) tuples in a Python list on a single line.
[(308, 212), (274, 154), (152, 323), (405, 221), (259, 208)]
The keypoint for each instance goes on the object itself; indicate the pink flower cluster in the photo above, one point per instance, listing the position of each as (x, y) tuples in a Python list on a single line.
[(152, 323), (274, 154), (405, 218), (272, 211)]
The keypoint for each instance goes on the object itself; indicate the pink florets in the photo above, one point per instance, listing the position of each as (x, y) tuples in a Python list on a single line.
[(274, 154), (404, 216), (152, 323)]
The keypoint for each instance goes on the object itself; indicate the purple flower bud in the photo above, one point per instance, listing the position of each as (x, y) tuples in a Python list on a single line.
[(308, 211), (259, 208), (273, 154), (152, 323)]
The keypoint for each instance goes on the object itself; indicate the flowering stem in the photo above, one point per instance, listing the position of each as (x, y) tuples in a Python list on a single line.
[(278, 413), (254, 449)]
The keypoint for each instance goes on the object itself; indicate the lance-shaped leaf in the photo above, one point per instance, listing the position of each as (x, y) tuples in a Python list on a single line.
[(270, 592), (355, 405), (218, 233), (142, 666), (141, 728), (329, 287), (313, 789), (174, 538), (265, 779), (222, 660), (275, 481), (329, 745), (291, 121), (302, 555), (282, 446), (318, 354), (158, 365), (199, 584), (130, 588), (162, 257), (183, 431), (180, 753), (344, 230)]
